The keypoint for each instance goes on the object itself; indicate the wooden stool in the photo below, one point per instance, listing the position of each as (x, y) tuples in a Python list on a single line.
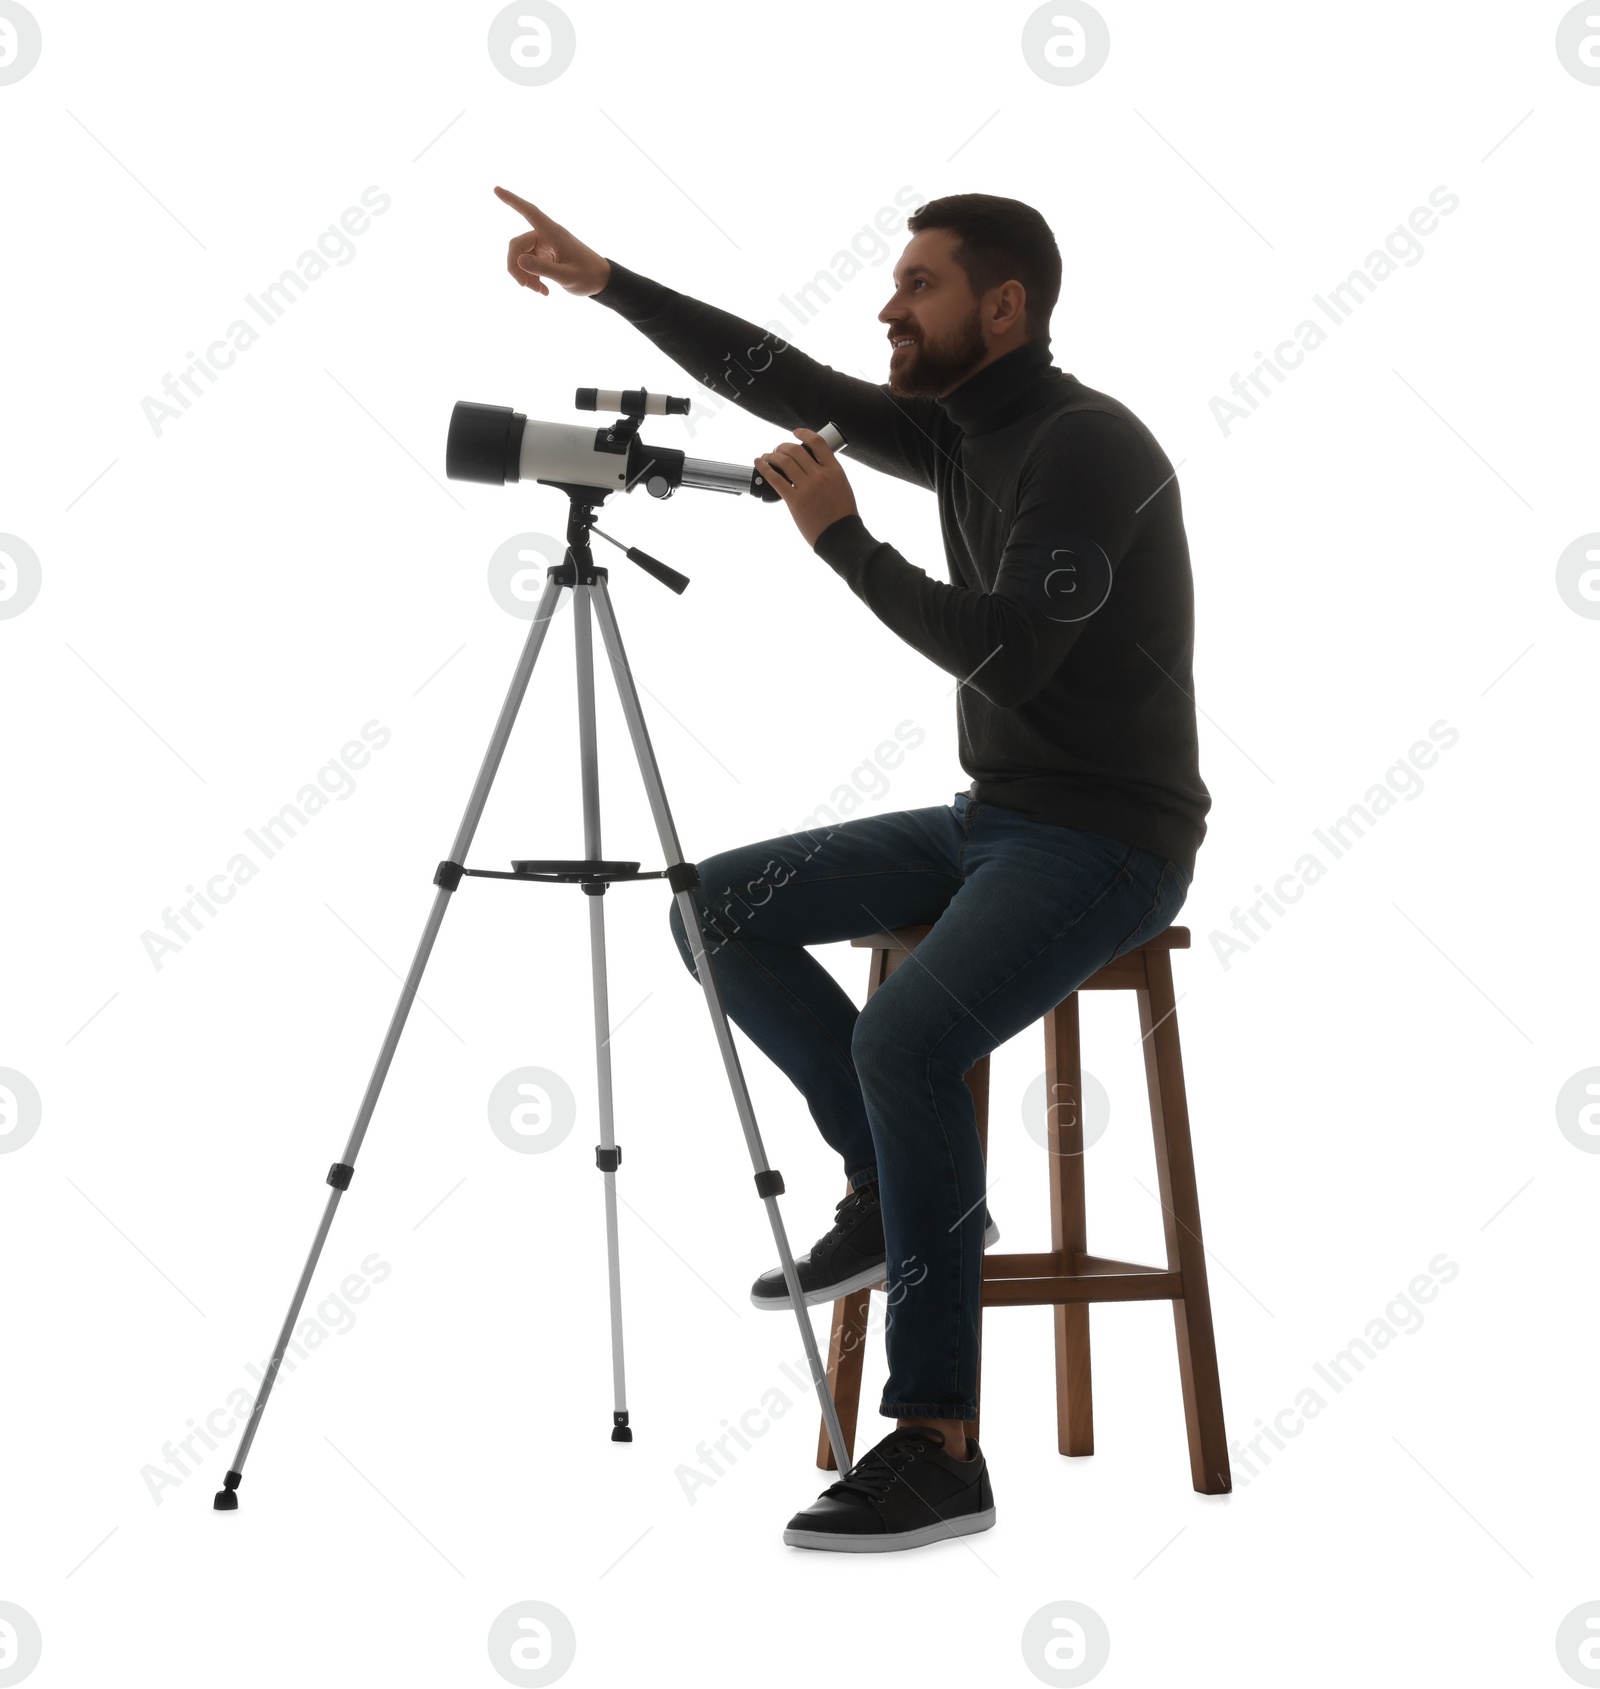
[(1068, 1277)]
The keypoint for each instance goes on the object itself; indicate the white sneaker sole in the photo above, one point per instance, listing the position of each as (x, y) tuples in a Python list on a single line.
[(849, 1543), (869, 1278)]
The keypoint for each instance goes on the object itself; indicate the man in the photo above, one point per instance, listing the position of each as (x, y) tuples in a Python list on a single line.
[(1068, 624)]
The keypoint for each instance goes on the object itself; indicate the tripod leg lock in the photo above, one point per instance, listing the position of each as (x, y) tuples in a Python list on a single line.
[(448, 875), (769, 1183), (340, 1174), (683, 876), (608, 1160)]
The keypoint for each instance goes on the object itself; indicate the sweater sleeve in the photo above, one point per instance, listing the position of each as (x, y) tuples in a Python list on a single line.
[(756, 370), (1077, 515)]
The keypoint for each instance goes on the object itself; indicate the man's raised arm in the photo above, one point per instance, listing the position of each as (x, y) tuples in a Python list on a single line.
[(743, 362)]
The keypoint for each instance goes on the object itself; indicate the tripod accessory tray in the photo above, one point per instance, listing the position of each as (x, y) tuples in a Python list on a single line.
[(560, 870), (592, 873)]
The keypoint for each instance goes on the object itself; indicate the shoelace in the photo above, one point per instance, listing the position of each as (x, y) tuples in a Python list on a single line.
[(855, 1202), (881, 1467)]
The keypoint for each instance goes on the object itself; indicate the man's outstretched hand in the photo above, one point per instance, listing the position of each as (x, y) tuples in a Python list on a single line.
[(816, 490), (550, 251), (814, 487)]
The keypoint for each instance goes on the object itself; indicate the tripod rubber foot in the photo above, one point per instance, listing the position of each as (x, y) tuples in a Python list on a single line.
[(619, 1427), (226, 1501)]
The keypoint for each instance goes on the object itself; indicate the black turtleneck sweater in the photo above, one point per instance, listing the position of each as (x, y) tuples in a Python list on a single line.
[(1069, 612)]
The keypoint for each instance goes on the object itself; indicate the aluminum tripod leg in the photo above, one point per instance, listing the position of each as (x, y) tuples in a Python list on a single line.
[(607, 1155), (339, 1174), (766, 1182)]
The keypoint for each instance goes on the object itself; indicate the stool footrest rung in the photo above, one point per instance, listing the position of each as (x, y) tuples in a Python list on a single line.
[(1026, 1280)]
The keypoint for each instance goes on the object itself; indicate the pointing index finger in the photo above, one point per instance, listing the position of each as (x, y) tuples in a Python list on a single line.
[(533, 214)]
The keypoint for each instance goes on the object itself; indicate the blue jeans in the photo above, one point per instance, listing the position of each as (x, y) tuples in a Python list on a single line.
[(1022, 912)]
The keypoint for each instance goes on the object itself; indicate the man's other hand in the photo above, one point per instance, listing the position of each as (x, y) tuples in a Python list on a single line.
[(550, 251), (815, 488)]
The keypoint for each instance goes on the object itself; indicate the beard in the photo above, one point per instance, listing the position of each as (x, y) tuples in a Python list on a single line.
[(928, 368)]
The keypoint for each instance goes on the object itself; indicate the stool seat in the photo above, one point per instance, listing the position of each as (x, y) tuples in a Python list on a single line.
[(908, 938), (1067, 1276)]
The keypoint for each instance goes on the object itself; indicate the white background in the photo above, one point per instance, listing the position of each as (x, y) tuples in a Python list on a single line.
[(1372, 1083)]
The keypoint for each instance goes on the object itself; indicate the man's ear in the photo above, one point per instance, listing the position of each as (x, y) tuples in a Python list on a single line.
[(1011, 306)]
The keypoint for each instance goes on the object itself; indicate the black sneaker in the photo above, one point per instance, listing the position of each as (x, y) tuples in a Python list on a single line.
[(850, 1257), (904, 1493)]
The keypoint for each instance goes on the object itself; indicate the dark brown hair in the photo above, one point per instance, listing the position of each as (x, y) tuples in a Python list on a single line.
[(1000, 240)]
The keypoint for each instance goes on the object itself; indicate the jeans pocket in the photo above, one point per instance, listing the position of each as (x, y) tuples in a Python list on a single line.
[(1172, 888)]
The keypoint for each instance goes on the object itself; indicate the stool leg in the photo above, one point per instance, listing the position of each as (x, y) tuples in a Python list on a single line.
[(1063, 1078), (1180, 1208), (846, 1351), (978, 1085)]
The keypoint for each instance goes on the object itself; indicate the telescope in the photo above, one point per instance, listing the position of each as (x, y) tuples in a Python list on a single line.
[(495, 444)]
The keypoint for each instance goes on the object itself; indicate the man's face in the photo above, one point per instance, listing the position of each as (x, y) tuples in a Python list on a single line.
[(933, 308)]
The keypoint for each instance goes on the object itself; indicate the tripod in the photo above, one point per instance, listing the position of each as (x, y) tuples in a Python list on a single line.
[(578, 571)]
